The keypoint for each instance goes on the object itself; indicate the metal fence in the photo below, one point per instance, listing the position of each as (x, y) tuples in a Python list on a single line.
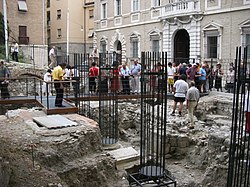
[(239, 155)]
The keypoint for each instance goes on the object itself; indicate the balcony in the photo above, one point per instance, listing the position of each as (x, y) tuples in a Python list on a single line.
[(23, 40), (184, 7)]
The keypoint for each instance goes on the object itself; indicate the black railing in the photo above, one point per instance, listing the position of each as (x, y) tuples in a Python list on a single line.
[(239, 155)]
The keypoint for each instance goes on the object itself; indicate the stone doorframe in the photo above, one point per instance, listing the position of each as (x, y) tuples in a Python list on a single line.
[(192, 25), (114, 41)]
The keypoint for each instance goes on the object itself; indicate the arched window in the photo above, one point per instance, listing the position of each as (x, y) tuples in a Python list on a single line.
[(135, 44), (103, 47)]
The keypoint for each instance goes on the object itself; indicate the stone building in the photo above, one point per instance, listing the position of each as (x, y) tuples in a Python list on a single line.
[(25, 21), (185, 29), (70, 27), (26, 26)]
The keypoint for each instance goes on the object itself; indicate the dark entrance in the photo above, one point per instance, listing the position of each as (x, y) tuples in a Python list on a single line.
[(118, 50), (181, 46)]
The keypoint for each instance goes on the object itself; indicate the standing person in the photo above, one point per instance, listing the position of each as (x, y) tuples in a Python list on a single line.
[(230, 80), (208, 74), (211, 77), (125, 73), (176, 72), (180, 90), (57, 75), (197, 80), (46, 87), (52, 57), (203, 78), (183, 69), (153, 78), (4, 75), (104, 79), (135, 76), (93, 76), (16, 51), (114, 79), (67, 77), (191, 71), (76, 84), (170, 73), (218, 77), (247, 109), (192, 97)]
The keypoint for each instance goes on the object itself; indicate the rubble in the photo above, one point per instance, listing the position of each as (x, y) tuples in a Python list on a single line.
[(72, 156)]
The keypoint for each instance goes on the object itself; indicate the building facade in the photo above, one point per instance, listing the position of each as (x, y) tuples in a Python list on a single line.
[(70, 27), (186, 29), (23, 28), (26, 26)]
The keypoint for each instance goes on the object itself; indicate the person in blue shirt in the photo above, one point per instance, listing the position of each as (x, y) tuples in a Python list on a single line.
[(203, 78)]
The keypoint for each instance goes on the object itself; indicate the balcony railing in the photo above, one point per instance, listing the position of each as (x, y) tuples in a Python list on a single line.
[(180, 7), (23, 40)]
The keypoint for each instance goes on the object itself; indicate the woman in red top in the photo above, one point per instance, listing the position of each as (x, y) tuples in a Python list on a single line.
[(115, 82), (93, 75)]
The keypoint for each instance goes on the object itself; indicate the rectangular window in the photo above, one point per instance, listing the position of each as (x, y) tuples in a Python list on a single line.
[(155, 46), (248, 45), (135, 48), (22, 38), (48, 18), (48, 3), (104, 11), (59, 33), (212, 44), (91, 13), (135, 5), (22, 6), (156, 3), (103, 47), (59, 14), (103, 50), (118, 7)]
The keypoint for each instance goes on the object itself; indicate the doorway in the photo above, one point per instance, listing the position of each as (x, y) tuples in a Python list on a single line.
[(118, 50), (181, 46)]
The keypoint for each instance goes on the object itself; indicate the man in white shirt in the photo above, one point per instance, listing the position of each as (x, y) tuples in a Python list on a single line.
[(180, 89), (125, 73), (52, 57), (16, 51), (135, 74), (170, 70)]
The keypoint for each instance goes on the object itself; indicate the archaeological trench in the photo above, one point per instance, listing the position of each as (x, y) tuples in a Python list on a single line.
[(73, 156)]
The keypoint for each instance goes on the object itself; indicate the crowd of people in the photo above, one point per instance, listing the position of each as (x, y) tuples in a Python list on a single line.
[(206, 77), (120, 79)]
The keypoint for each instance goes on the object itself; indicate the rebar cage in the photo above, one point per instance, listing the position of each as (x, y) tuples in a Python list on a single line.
[(153, 123), (239, 155), (108, 83)]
